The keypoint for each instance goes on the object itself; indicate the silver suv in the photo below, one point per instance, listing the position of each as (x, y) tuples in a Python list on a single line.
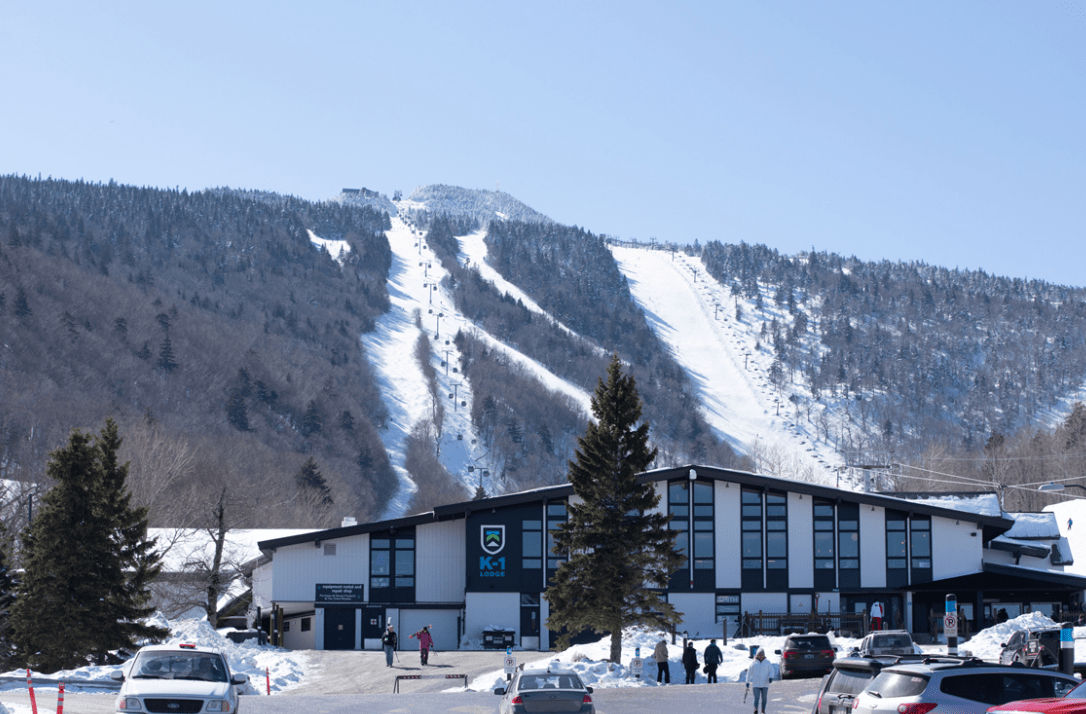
[(961, 686), (887, 642)]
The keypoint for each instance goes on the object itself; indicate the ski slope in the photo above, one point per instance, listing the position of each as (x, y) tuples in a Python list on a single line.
[(693, 314)]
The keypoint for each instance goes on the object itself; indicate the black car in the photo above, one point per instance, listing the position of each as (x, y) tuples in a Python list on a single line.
[(810, 655), (1033, 648)]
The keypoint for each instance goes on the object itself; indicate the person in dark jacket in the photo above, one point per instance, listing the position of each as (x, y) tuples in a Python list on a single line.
[(389, 641), (690, 662), (713, 657)]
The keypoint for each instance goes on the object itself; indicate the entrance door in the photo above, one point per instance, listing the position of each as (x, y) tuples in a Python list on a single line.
[(339, 628), (373, 622), (529, 619)]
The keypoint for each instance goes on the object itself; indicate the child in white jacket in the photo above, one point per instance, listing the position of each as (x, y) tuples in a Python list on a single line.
[(759, 675)]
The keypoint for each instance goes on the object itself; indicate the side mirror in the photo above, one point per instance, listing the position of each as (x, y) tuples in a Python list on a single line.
[(588, 689), (776, 651), (117, 676), (500, 691), (239, 679)]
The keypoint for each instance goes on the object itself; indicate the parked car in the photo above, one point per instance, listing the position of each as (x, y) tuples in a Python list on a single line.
[(810, 654), (544, 692), (1033, 648), (178, 678), (849, 677), (961, 686), (1074, 702), (887, 642)]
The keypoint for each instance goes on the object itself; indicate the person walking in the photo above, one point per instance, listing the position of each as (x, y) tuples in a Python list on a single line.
[(876, 615), (759, 677), (426, 643), (713, 658), (660, 655), (389, 641), (690, 661)]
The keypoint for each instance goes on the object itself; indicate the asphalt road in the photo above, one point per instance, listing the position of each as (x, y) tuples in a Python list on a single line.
[(791, 697), (349, 682)]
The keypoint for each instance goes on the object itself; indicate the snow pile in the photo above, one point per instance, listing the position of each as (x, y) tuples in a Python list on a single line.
[(283, 667), (591, 665)]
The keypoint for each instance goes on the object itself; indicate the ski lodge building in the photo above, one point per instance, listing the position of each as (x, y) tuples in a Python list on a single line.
[(477, 571)]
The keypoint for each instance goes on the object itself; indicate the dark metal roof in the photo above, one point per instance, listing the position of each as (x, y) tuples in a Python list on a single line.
[(991, 525)]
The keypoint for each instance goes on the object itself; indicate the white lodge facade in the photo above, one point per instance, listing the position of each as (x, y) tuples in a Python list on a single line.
[(753, 544)]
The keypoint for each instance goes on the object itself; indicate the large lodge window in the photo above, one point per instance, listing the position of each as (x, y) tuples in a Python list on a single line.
[(848, 545), (556, 516), (690, 505), (392, 567), (897, 550), (776, 540), (825, 552), (752, 540), (920, 548)]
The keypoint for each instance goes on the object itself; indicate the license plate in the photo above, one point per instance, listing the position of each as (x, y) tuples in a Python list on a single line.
[(808, 656)]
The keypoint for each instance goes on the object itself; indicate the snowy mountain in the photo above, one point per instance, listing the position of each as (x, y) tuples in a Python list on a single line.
[(368, 356), (718, 352)]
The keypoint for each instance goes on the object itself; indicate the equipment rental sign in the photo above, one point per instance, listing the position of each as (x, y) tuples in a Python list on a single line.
[(329, 593)]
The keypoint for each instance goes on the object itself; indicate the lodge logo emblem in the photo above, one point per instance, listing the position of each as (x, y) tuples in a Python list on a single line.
[(492, 538)]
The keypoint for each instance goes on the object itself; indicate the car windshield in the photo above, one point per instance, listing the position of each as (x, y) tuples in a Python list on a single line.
[(176, 665), (807, 643), (549, 681)]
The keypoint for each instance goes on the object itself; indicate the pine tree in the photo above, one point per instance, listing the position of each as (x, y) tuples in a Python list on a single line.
[(166, 359), (7, 598), (311, 478), (617, 545), (140, 561), (87, 561)]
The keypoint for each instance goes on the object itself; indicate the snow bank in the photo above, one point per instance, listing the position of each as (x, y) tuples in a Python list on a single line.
[(284, 668)]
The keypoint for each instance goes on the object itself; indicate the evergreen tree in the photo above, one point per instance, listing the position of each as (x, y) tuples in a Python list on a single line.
[(618, 546), (7, 597), (311, 478), (87, 561), (140, 561), (166, 359), (312, 423)]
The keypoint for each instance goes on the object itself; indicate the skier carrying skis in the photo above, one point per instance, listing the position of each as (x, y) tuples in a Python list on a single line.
[(426, 643)]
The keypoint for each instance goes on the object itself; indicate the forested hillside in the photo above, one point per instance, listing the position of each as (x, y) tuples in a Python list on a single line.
[(225, 343), (941, 356), (210, 327)]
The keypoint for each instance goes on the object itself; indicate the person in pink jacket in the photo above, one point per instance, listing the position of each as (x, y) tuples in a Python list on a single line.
[(426, 643)]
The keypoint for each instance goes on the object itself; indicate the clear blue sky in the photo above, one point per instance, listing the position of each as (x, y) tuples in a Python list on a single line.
[(948, 132)]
